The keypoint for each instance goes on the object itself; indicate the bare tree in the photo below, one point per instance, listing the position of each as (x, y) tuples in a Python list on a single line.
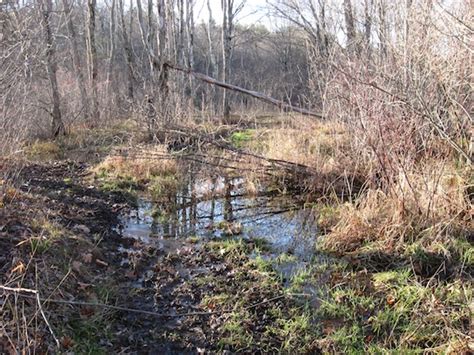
[(57, 127), (350, 25), (382, 27), (81, 83), (229, 13), (92, 59), (190, 32), (111, 89), (127, 47)]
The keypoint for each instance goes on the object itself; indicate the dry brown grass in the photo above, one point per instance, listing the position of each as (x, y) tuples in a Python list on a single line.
[(142, 164), (429, 203), (404, 199)]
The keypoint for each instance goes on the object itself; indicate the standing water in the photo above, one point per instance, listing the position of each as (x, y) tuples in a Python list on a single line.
[(219, 207)]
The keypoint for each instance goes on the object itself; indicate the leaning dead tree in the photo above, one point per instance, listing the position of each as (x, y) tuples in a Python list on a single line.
[(262, 97)]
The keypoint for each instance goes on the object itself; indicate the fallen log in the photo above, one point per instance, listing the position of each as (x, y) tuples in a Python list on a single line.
[(262, 97)]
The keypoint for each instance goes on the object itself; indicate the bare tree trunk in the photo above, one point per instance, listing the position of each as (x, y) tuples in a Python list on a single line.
[(262, 97), (81, 82), (92, 55), (368, 5), (163, 58), (57, 126), (144, 31), (406, 30), (226, 52), (350, 26), (180, 55), (111, 89), (382, 28), (190, 32), (128, 49), (211, 69), (190, 43)]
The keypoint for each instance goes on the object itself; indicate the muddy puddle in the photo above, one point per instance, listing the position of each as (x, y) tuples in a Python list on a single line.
[(220, 207), (216, 208), (164, 248)]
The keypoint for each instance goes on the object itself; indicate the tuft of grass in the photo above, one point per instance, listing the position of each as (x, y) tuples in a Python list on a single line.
[(43, 150), (47, 233), (392, 310), (237, 333), (162, 186), (130, 174), (296, 330), (328, 216), (229, 247)]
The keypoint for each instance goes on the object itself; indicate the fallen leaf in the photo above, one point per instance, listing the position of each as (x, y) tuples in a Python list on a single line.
[(77, 265), (391, 300), (67, 342), (87, 258), (20, 268)]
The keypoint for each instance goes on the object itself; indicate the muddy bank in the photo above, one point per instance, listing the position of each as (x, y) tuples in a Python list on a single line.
[(57, 237), (201, 264), (91, 246)]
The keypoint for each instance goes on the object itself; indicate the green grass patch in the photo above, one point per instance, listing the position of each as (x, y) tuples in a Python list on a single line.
[(240, 139)]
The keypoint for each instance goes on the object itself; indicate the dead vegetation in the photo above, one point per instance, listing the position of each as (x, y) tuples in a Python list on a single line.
[(386, 168)]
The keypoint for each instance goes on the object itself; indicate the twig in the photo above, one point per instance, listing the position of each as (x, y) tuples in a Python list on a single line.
[(36, 296), (133, 310)]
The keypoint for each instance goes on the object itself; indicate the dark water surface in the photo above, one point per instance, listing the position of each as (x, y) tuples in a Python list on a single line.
[(220, 207)]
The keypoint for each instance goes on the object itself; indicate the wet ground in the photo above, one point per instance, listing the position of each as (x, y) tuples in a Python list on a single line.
[(175, 240), (169, 255), (218, 266)]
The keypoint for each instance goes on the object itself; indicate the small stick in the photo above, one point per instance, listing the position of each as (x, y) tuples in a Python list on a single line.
[(36, 296), (134, 310)]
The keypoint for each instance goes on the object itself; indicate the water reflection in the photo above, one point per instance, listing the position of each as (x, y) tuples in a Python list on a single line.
[(210, 207)]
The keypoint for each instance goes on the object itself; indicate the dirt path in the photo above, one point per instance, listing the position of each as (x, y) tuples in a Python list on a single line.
[(58, 223)]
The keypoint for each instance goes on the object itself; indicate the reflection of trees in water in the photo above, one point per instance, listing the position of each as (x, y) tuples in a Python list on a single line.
[(193, 210), (228, 212)]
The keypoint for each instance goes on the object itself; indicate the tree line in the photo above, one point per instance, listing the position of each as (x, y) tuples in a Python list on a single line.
[(371, 62)]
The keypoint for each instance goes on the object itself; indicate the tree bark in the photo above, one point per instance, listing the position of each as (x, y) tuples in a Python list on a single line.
[(226, 52), (190, 32), (57, 126), (81, 82), (92, 54), (127, 49), (350, 26), (212, 66), (163, 57), (382, 28), (111, 89)]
